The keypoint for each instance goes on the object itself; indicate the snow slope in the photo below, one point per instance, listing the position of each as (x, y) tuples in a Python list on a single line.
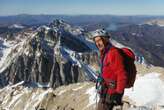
[(19, 26), (5, 50), (9, 47), (148, 90)]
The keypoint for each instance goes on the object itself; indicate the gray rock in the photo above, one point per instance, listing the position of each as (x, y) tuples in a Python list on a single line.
[(42, 59)]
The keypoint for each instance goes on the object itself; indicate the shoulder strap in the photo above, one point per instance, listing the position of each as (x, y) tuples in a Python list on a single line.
[(103, 60)]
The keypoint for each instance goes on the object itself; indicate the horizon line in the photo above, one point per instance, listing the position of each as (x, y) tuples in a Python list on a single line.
[(148, 15)]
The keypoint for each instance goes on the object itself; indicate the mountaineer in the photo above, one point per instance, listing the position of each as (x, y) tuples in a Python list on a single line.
[(117, 70)]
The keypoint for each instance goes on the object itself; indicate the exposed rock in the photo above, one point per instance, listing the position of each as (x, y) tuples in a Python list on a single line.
[(72, 97), (79, 96), (48, 57)]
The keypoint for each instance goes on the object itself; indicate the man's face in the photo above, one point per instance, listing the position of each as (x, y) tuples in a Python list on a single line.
[(99, 43)]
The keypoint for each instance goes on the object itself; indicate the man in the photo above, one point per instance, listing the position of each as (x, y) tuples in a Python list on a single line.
[(113, 74)]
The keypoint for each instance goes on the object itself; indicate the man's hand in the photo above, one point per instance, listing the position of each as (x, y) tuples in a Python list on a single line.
[(99, 79), (116, 98)]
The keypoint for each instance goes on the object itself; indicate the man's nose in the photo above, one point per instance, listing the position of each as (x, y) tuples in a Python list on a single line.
[(99, 44)]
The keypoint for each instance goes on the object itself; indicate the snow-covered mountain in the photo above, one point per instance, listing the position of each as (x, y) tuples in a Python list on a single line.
[(52, 55), (159, 22)]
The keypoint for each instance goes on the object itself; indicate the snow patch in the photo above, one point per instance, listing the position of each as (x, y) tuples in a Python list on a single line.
[(73, 55), (17, 26), (40, 97), (5, 51), (78, 88), (61, 92), (17, 84), (93, 96), (148, 90), (38, 54), (46, 27)]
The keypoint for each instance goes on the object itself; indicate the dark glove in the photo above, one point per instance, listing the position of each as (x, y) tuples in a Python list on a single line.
[(116, 98), (99, 79), (99, 84)]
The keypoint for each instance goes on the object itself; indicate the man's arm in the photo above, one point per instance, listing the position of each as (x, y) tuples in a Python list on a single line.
[(117, 63)]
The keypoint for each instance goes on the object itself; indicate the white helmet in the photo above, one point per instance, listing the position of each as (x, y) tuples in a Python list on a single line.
[(100, 33)]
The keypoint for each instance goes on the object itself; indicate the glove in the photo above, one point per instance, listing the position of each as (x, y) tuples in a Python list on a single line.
[(99, 79), (116, 98), (99, 84)]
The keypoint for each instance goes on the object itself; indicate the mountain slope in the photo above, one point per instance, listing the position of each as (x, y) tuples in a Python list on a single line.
[(48, 56), (81, 96), (146, 40)]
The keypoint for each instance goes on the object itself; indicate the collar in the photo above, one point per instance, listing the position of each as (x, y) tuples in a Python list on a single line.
[(106, 50)]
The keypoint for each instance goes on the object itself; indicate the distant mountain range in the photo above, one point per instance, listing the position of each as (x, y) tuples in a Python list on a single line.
[(147, 40), (159, 22), (142, 33), (74, 19)]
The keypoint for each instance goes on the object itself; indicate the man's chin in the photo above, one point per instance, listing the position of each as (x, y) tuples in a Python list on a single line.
[(101, 49)]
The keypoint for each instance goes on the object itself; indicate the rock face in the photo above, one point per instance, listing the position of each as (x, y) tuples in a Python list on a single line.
[(50, 56)]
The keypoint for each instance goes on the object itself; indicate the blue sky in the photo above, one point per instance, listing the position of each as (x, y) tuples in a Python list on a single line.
[(76, 7)]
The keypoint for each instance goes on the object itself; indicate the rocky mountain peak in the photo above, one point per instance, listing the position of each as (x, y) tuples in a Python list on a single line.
[(49, 56)]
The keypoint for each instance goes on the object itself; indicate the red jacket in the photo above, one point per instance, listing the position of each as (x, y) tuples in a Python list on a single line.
[(113, 70)]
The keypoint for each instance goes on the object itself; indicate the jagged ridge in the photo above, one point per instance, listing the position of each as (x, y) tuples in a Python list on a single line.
[(49, 56)]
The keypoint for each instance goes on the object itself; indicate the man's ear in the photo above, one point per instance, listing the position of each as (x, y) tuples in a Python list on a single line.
[(93, 39)]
